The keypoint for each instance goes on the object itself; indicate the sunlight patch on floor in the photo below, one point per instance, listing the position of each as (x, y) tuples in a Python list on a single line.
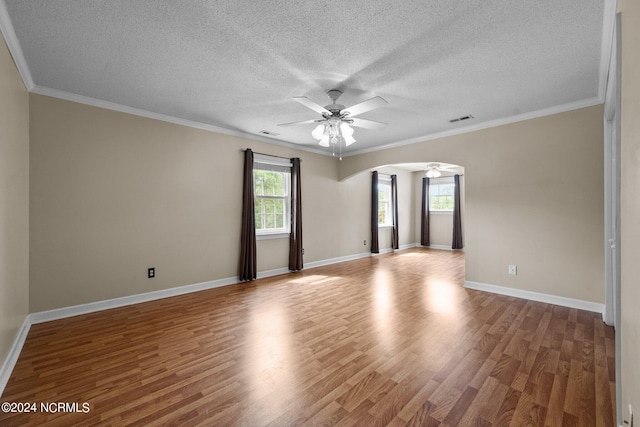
[(315, 279), (440, 297)]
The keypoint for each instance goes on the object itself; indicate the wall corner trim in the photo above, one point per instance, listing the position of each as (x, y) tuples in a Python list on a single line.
[(536, 296)]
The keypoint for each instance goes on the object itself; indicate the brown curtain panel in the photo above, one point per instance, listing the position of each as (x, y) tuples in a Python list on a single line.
[(424, 223), (295, 237), (395, 240), (247, 268), (374, 213), (457, 219)]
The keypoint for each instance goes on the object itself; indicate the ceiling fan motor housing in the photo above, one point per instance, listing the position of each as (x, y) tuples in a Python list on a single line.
[(335, 109)]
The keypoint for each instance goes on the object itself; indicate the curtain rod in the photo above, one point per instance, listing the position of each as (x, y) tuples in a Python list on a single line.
[(270, 155), (444, 176)]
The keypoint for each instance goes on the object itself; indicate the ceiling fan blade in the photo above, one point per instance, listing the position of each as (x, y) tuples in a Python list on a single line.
[(367, 124), (310, 104), (305, 122), (365, 106)]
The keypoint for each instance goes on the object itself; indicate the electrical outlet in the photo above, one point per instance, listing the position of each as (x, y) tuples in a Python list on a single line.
[(151, 272), (365, 242), (302, 251), (513, 270)]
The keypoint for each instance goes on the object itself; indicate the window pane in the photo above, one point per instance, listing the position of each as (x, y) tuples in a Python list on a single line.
[(268, 183), (258, 213), (258, 181), (271, 199), (382, 213), (279, 206), (446, 189), (268, 207), (278, 184), (441, 196), (442, 203)]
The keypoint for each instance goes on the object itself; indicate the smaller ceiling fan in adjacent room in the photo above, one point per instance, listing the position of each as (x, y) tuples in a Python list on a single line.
[(435, 170), (334, 127)]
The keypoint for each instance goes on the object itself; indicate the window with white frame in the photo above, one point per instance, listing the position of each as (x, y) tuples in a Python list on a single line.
[(441, 191), (384, 202), (272, 192)]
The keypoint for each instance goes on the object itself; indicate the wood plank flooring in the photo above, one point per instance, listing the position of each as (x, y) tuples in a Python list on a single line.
[(388, 340)]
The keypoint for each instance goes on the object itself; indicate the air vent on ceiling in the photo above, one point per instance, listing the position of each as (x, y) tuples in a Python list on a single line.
[(459, 119), (266, 132)]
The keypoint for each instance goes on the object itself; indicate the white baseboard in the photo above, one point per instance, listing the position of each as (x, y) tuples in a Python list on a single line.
[(268, 273), (401, 248), (60, 313), (75, 310), (443, 247), (336, 260), (536, 296), (408, 246), (14, 352)]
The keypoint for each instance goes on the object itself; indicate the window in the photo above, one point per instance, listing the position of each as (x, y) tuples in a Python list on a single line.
[(441, 195), (384, 202), (272, 190)]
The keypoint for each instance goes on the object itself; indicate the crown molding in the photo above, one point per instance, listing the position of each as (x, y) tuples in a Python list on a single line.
[(10, 37), (94, 102), (485, 125)]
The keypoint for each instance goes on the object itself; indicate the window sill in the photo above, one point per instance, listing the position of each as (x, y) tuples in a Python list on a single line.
[(440, 212), (384, 226), (269, 236)]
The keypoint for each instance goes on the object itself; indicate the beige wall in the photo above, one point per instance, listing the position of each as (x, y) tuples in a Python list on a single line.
[(534, 198), (114, 194), (630, 208), (441, 229), (14, 201)]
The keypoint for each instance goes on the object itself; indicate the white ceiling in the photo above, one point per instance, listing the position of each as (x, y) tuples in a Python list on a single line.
[(234, 65)]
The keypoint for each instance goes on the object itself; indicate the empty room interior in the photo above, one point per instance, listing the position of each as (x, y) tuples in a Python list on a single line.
[(282, 213)]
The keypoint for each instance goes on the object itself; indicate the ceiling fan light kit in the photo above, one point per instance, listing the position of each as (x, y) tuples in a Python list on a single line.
[(334, 128), (433, 173), (435, 170)]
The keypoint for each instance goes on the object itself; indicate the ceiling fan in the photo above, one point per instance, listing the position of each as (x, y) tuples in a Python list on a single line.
[(335, 124), (434, 170)]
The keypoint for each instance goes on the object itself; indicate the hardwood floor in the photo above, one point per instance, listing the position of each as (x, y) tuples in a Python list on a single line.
[(388, 340)]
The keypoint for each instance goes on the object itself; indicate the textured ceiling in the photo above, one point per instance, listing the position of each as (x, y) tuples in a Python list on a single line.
[(236, 64)]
